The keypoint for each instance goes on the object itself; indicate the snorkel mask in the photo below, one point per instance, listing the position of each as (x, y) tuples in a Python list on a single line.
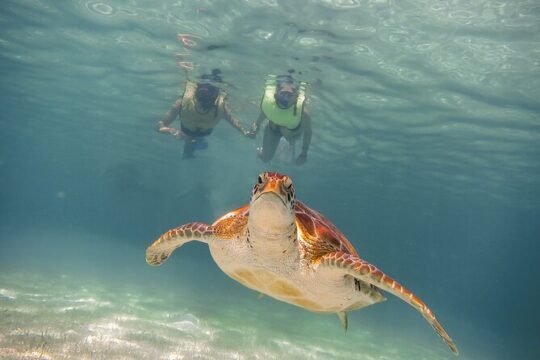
[(286, 91), (206, 95)]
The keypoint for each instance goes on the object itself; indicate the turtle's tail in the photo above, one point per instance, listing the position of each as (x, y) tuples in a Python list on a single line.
[(162, 248)]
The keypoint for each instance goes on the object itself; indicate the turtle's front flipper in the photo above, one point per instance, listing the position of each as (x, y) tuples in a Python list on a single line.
[(162, 248), (354, 266)]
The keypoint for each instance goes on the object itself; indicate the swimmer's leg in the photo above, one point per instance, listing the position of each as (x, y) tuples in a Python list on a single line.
[(270, 142), (189, 147)]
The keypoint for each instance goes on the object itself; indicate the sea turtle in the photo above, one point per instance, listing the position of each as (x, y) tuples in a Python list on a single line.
[(278, 246)]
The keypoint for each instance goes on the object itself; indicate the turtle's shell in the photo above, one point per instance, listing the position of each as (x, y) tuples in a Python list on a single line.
[(311, 225), (320, 233), (291, 279)]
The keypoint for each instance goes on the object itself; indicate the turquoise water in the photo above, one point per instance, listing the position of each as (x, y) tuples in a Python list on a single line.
[(426, 140)]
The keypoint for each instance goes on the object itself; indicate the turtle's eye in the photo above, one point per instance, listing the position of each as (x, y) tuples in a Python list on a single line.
[(259, 180), (288, 184)]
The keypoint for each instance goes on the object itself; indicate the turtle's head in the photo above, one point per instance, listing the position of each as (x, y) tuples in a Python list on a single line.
[(272, 205)]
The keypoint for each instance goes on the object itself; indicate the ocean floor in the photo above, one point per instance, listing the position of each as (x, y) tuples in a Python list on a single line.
[(72, 295), (68, 317)]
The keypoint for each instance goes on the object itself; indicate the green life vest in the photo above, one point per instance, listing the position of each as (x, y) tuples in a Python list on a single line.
[(290, 117)]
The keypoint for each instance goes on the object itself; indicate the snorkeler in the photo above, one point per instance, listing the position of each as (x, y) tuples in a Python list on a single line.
[(283, 106), (200, 108)]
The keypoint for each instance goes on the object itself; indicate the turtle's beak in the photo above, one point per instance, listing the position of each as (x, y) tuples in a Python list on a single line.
[(272, 186), (275, 188)]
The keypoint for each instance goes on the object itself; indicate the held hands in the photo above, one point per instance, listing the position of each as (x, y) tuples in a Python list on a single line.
[(251, 133)]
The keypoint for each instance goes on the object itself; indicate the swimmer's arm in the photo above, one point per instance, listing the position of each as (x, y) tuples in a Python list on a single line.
[(233, 121), (257, 124), (163, 124)]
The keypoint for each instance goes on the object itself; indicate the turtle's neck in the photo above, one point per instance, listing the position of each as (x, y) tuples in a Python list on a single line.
[(272, 227), (274, 247)]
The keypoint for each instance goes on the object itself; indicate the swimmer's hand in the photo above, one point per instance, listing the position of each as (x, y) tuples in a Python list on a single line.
[(177, 134), (250, 134), (161, 128), (253, 131), (302, 158)]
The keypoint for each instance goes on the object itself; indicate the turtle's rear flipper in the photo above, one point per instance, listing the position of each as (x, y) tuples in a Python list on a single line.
[(344, 320), (162, 248), (361, 269)]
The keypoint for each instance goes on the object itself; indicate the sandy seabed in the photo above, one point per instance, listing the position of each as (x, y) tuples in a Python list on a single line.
[(67, 318)]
